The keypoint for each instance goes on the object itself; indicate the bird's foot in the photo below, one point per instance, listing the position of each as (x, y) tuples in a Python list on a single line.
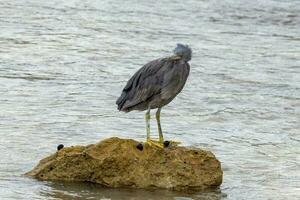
[(162, 144), (155, 143)]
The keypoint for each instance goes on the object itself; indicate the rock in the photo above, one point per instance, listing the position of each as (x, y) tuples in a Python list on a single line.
[(118, 162)]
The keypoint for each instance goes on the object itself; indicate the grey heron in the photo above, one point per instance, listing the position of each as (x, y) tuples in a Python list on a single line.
[(155, 85)]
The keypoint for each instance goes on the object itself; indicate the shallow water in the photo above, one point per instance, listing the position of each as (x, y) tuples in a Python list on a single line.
[(63, 64)]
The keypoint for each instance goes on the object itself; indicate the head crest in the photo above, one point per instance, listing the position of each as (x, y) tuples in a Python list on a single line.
[(183, 51)]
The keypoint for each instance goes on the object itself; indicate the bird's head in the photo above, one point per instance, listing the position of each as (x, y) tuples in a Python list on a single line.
[(183, 51)]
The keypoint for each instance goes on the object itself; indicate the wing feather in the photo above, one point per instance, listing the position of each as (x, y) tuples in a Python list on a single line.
[(145, 83)]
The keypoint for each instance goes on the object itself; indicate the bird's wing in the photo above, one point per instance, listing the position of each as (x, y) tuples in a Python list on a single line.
[(145, 83)]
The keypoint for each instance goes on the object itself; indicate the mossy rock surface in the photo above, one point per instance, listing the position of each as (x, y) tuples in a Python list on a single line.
[(116, 162)]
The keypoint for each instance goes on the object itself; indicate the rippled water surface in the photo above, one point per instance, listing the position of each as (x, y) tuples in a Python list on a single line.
[(64, 63)]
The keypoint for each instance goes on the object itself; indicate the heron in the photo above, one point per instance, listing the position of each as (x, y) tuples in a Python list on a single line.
[(155, 85)]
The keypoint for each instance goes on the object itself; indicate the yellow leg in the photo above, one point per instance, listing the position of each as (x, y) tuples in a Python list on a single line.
[(147, 117), (161, 137), (149, 141), (161, 143)]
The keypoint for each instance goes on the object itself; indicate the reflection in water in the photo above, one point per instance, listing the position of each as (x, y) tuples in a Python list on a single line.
[(81, 191)]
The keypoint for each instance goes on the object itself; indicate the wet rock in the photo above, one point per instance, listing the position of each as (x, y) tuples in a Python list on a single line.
[(118, 162)]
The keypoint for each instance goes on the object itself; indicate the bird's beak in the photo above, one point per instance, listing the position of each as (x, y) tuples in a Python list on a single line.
[(176, 57)]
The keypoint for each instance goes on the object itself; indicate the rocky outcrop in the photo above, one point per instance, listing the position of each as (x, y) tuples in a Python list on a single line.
[(118, 162)]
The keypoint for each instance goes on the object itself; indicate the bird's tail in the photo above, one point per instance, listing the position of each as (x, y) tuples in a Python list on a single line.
[(121, 101)]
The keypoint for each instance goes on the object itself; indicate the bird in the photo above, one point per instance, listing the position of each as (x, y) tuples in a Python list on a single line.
[(155, 85)]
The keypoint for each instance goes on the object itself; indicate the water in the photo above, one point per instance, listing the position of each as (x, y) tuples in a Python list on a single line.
[(63, 64)]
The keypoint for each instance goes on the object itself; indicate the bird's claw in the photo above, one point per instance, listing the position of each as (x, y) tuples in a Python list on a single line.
[(174, 143), (161, 144), (155, 143)]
